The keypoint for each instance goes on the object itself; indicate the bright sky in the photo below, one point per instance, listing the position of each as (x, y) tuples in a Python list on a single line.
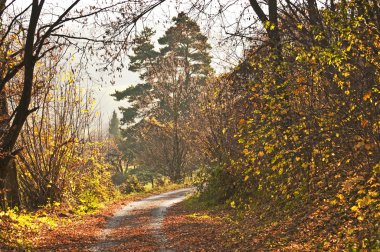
[(160, 20)]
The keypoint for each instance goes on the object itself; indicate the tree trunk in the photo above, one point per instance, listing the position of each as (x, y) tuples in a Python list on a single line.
[(12, 186), (9, 187), (176, 152), (272, 29), (332, 5), (9, 139), (271, 26), (313, 12)]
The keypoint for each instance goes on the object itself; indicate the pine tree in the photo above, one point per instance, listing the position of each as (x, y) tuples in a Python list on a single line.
[(113, 129), (172, 79)]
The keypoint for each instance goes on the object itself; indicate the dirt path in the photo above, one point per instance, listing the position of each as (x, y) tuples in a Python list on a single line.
[(137, 225)]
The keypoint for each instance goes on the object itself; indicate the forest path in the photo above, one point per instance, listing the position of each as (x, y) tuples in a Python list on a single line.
[(137, 225)]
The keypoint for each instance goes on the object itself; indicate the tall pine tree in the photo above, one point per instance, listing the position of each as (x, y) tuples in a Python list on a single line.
[(160, 107), (113, 129)]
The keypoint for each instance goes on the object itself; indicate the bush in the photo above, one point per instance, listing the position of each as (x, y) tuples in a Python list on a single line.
[(89, 202), (216, 184), (162, 181), (119, 178), (131, 184)]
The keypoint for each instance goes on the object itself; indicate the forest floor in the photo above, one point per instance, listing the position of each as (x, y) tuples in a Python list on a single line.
[(133, 224), (195, 226), (158, 223)]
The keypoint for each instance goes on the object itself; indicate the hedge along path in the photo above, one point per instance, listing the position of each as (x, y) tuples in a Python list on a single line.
[(137, 225)]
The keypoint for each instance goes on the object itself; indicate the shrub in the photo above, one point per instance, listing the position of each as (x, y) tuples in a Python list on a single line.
[(216, 184), (162, 181), (131, 184), (119, 178)]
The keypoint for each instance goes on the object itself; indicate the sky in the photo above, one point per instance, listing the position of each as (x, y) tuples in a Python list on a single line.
[(106, 104), (159, 19)]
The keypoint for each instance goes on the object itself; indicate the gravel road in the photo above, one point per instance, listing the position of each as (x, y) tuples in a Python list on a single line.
[(137, 225)]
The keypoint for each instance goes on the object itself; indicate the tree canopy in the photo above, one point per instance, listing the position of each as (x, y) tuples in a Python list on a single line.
[(173, 77)]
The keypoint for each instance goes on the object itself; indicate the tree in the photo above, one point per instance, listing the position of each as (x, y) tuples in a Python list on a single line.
[(55, 141), (114, 129), (32, 32), (270, 23), (173, 77), (22, 56)]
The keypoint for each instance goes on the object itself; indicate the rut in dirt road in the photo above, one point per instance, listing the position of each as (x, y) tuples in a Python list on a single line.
[(137, 225)]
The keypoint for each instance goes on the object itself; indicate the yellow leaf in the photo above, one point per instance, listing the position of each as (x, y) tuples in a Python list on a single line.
[(373, 194), (340, 196), (361, 191), (233, 205), (355, 208), (281, 171)]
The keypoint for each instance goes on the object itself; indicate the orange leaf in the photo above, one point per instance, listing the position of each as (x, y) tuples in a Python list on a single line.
[(367, 95), (364, 123)]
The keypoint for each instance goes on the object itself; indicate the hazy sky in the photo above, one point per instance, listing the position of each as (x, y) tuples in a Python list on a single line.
[(105, 102), (159, 19)]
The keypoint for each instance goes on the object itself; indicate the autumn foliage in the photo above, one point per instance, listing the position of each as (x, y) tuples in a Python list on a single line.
[(287, 140), (308, 128)]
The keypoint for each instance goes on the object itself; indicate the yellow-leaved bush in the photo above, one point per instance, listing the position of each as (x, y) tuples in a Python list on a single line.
[(309, 130)]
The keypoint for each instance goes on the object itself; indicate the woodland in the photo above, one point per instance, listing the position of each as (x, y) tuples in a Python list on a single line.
[(283, 145)]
